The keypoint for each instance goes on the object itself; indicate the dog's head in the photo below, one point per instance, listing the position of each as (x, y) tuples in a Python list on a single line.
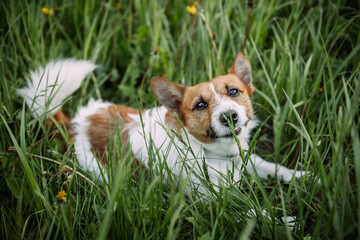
[(205, 109)]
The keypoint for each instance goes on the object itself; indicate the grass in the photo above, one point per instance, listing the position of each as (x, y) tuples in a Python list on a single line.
[(305, 59)]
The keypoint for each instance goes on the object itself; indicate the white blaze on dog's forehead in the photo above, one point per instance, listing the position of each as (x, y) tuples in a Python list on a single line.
[(217, 96)]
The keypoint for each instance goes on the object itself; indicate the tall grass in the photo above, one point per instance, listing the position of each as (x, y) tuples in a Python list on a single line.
[(305, 60)]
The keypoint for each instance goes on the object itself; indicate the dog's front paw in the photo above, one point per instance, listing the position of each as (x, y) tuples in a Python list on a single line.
[(299, 174), (287, 174)]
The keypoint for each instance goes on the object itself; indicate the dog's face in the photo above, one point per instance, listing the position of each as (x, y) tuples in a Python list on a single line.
[(205, 109)]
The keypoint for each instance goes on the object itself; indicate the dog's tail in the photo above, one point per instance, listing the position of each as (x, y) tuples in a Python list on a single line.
[(49, 86)]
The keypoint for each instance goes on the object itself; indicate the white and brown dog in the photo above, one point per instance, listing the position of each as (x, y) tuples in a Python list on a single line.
[(191, 126)]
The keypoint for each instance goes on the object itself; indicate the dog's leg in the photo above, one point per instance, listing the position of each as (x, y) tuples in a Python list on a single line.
[(265, 169), (290, 221)]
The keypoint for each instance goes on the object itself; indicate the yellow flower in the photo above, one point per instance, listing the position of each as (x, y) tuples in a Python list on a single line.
[(191, 9), (60, 122), (71, 139), (213, 35), (118, 6), (164, 75), (47, 11), (156, 50), (61, 196), (11, 148), (320, 89), (63, 172), (195, 3)]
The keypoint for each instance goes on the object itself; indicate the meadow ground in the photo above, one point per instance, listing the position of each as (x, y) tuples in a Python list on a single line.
[(305, 58)]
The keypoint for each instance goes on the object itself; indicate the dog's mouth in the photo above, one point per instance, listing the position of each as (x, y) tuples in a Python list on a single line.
[(231, 134), (210, 133)]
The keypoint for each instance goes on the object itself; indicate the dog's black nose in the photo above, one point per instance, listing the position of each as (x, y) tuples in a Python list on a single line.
[(227, 115)]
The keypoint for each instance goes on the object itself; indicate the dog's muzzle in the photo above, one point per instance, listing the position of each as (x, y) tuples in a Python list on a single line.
[(229, 116)]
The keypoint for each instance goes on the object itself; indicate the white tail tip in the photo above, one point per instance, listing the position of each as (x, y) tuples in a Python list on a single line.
[(49, 86)]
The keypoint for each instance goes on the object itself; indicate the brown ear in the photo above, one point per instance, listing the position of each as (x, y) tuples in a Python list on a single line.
[(242, 69), (168, 93)]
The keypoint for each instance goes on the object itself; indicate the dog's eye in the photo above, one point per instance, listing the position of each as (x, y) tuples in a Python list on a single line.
[(233, 92), (201, 105)]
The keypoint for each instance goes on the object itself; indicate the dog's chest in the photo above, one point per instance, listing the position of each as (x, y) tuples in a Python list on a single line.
[(152, 140)]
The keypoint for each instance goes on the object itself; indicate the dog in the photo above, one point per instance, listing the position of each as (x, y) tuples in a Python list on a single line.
[(209, 123)]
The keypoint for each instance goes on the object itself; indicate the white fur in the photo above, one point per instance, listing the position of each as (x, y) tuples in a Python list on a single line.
[(49, 86), (218, 98), (224, 147), (288, 220), (82, 144), (152, 132), (153, 135), (264, 169)]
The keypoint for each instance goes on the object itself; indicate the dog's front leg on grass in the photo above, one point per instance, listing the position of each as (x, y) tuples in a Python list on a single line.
[(265, 169), (290, 221)]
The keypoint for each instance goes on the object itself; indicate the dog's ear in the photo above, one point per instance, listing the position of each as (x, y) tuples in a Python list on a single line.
[(242, 69), (168, 93)]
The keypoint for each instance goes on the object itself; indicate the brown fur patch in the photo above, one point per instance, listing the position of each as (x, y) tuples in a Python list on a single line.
[(105, 124), (198, 122)]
